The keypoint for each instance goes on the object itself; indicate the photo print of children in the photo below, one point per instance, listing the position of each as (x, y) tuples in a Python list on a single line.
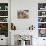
[(23, 14)]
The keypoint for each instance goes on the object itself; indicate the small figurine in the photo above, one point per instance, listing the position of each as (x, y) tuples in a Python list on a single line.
[(13, 27), (31, 27)]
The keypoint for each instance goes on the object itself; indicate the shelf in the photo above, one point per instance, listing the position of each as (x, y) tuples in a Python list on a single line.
[(3, 10), (41, 10), (42, 16), (3, 22), (3, 16), (41, 28), (41, 22)]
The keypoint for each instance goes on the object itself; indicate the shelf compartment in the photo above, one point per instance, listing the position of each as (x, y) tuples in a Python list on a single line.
[(41, 25), (41, 19), (42, 32), (3, 6), (3, 13), (41, 13), (4, 32), (3, 19), (3, 26), (4, 29), (41, 6)]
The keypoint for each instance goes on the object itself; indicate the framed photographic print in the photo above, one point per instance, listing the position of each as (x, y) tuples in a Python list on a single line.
[(23, 14)]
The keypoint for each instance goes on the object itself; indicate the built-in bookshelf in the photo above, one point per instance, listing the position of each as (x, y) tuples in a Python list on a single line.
[(4, 19), (42, 19)]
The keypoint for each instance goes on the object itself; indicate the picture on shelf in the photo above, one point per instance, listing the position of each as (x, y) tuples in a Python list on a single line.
[(4, 29), (42, 32), (41, 6), (23, 14)]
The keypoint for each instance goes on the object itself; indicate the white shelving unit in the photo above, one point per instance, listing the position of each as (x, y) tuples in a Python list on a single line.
[(4, 21), (42, 18)]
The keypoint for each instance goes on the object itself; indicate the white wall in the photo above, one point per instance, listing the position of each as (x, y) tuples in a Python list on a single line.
[(23, 24)]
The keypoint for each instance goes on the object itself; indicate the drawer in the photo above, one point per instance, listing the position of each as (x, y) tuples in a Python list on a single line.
[(3, 41)]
